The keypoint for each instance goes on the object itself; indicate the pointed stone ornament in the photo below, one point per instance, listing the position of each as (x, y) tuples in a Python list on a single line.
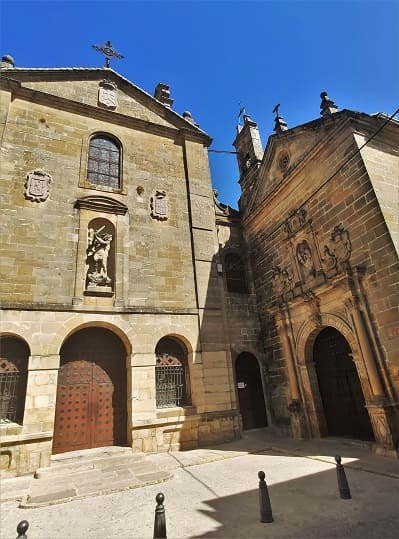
[(327, 106), (280, 124)]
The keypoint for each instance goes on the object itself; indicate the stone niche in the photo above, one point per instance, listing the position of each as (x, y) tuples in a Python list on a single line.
[(100, 258)]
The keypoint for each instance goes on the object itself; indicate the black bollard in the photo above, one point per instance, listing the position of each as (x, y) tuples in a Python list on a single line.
[(264, 500), (343, 486), (160, 522), (22, 528)]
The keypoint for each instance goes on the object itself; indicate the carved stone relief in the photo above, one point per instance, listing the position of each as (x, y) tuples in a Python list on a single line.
[(107, 94), (305, 260), (159, 206), (339, 247), (282, 280), (37, 186)]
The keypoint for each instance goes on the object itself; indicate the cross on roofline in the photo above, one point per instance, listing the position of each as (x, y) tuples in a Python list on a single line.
[(108, 52)]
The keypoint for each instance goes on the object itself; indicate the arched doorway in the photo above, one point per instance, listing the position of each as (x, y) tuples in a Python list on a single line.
[(91, 408), (339, 386), (250, 392)]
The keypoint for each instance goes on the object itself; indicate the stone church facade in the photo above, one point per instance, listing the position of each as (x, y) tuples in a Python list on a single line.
[(319, 213), (138, 310)]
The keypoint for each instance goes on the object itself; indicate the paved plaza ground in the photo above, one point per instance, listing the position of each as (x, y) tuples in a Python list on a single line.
[(214, 493)]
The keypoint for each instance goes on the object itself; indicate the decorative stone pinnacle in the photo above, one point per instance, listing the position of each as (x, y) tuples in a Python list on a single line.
[(327, 106), (280, 124), (108, 52)]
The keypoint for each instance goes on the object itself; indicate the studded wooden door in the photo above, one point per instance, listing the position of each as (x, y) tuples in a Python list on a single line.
[(91, 393), (340, 388)]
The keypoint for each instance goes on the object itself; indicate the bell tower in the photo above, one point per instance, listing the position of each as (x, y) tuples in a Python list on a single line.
[(249, 150)]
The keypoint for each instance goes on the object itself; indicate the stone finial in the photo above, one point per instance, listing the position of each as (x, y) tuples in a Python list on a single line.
[(327, 106), (187, 116), (280, 124), (7, 62), (162, 94)]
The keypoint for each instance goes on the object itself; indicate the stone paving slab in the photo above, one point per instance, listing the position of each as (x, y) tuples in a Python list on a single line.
[(117, 472)]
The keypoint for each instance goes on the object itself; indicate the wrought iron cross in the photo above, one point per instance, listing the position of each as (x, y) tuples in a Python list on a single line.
[(276, 109), (108, 52)]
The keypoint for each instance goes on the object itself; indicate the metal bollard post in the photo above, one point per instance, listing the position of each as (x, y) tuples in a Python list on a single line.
[(343, 486), (160, 522), (264, 500), (22, 528)]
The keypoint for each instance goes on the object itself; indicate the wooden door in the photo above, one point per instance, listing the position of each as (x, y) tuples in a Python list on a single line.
[(91, 393), (340, 388), (250, 392)]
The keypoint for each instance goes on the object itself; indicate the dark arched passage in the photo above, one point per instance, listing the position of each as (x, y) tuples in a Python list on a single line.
[(250, 392), (91, 408), (340, 389)]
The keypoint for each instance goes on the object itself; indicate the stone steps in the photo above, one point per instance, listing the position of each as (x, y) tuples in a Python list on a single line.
[(76, 476)]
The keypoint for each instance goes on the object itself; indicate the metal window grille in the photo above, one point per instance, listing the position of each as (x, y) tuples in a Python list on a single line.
[(170, 386), (103, 165), (9, 382)]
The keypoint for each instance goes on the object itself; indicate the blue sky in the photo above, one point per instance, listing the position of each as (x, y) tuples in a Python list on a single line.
[(217, 54)]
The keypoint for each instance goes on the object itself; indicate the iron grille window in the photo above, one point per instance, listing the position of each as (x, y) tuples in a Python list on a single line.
[(104, 162), (235, 274), (9, 383), (13, 379), (170, 382)]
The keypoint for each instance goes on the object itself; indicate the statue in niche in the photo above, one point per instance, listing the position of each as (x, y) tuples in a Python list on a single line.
[(98, 249), (304, 257)]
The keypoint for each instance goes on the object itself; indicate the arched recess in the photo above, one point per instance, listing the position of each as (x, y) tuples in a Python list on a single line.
[(339, 386), (91, 406), (172, 376), (14, 358), (250, 391)]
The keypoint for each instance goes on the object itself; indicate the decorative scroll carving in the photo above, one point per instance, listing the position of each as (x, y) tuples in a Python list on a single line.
[(37, 186), (107, 94), (295, 221), (282, 280), (314, 305), (159, 206), (100, 254)]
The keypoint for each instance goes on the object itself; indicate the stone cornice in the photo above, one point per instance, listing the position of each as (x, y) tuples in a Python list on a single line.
[(101, 203), (68, 307)]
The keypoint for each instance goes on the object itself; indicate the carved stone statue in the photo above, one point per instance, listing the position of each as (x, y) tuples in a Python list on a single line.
[(99, 244)]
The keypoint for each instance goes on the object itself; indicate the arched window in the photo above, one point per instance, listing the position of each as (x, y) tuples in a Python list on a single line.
[(13, 378), (171, 374), (235, 274), (104, 162)]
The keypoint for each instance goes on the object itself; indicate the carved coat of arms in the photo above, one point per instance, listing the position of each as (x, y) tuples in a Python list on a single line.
[(107, 94), (37, 186), (159, 205)]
